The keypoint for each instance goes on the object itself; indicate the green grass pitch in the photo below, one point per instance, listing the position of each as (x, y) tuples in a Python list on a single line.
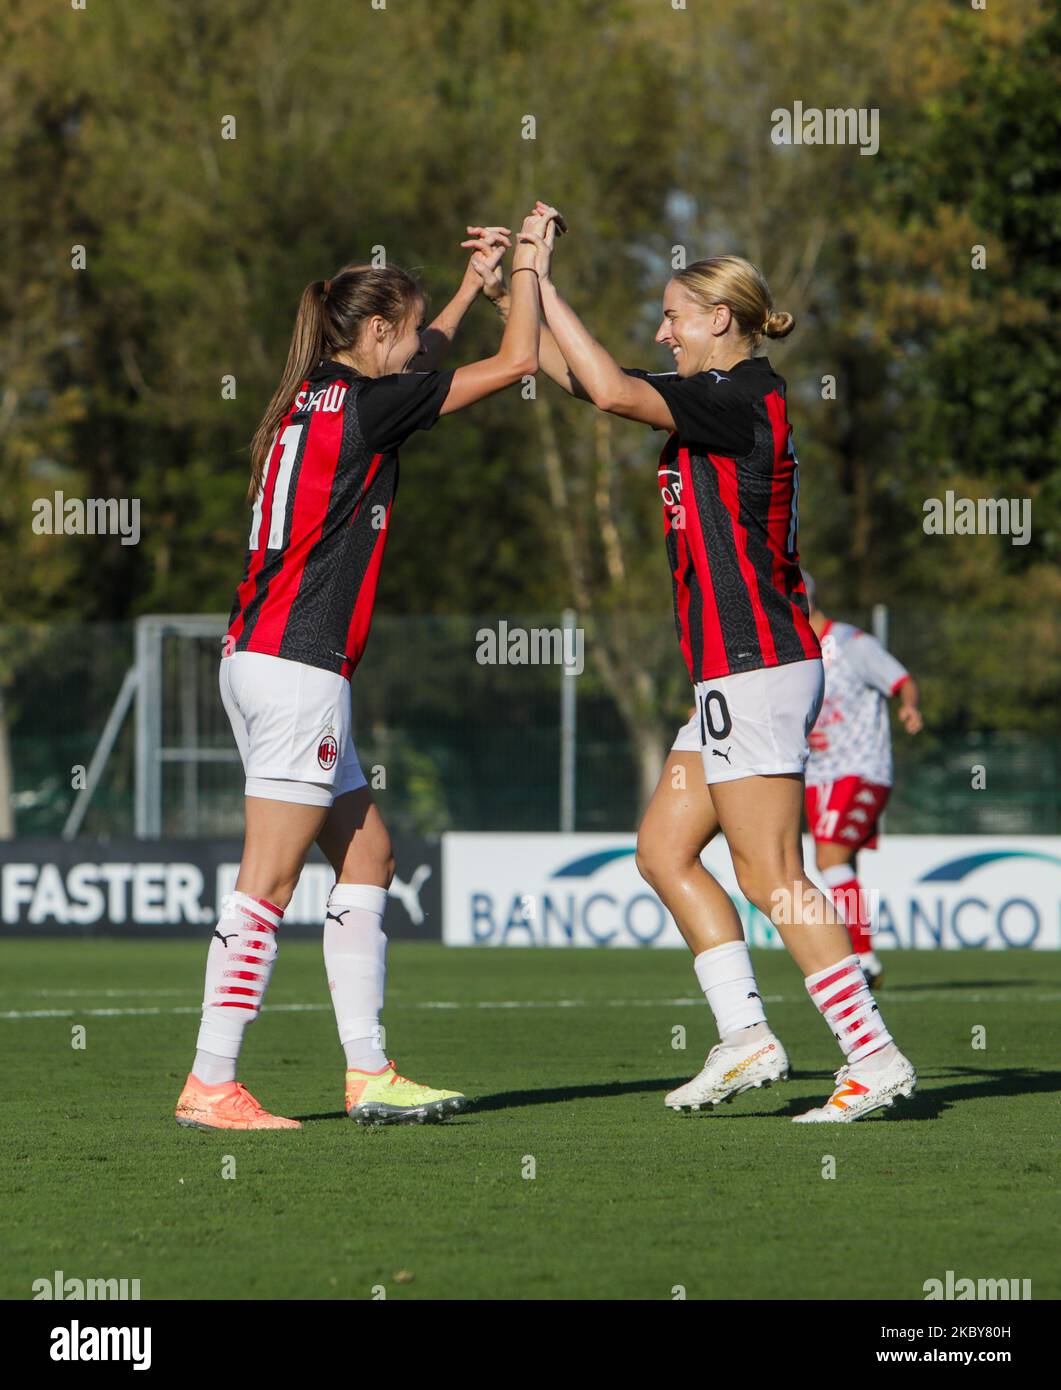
[(569, 1054)]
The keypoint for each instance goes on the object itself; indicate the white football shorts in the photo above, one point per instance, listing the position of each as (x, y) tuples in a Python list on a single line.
[(292, 727), (755, 723)]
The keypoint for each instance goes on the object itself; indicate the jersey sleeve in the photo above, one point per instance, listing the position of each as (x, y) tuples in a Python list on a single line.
[(711, 413), (875, 666), (391, 408)]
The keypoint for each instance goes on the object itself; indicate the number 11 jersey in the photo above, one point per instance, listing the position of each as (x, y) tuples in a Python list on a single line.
[(323, 512)]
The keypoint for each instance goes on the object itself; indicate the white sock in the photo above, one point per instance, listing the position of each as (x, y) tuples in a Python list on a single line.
[(213, 1070), (728, 980), (843, 999), (355, 953), (238, 966)]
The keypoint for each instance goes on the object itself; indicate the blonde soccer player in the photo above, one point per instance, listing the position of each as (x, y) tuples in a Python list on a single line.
[(728, 480)]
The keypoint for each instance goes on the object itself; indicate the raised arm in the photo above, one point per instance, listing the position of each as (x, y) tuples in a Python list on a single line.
[(489, 266), (591, 366), (517, 355), (437, 339)]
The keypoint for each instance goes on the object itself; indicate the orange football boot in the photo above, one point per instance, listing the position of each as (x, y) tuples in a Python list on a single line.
[(226, 1106)]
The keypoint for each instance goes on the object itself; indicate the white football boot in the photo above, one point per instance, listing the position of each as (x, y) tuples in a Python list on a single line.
[(859, 1091), (730, 1070)]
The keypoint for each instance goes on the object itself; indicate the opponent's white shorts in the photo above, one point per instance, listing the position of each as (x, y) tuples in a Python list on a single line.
[(756, 723), (292, 727)]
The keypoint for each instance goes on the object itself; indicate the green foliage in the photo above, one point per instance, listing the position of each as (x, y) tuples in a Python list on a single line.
[(358, 128)]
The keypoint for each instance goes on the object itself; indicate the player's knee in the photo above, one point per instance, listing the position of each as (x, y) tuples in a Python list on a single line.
[(654, 863), (381, 861), (368, 860), (661, 862), (645, 862), (755, 886)]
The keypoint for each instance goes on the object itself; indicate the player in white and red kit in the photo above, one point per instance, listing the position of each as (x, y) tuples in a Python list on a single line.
[(849, 773)]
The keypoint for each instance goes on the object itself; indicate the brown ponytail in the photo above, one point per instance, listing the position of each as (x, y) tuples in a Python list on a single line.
[(329, 319)]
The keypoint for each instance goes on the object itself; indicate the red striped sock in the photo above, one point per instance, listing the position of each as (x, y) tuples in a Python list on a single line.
[(843, 999), (238, 966)]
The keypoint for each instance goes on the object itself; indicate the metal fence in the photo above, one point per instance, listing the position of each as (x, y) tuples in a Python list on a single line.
[(118, 729)]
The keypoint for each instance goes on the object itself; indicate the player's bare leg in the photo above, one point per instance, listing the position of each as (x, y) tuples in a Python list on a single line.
[(240, 961), (680, 821), (356, 843), (277, 839), (838, 865), (760, 817)]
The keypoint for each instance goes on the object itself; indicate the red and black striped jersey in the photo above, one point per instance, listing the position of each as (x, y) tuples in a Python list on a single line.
[(322, 514), (729, 478)]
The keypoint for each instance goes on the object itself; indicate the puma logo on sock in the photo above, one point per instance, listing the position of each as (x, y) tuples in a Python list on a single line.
[(225, 939), (336, 916)]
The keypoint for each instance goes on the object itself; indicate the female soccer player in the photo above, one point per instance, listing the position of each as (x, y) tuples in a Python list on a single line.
[(360, 378), (728, 476)]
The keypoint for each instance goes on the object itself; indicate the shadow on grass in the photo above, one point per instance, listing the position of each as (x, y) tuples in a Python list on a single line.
[(515, 1100), (932, 1098), (959, 1083), (960, 984)]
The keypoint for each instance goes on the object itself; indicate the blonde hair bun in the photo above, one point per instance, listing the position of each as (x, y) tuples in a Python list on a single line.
[(780, 324)]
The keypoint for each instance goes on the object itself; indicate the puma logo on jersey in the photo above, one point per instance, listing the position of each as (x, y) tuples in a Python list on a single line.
[(717, 375)]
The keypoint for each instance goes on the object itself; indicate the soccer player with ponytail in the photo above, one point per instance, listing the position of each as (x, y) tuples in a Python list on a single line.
[(729, 481), (360, 378)]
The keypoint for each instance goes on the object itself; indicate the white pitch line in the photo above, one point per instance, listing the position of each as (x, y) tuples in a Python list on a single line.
[(929, 996), (17, 1014), (97, 993)]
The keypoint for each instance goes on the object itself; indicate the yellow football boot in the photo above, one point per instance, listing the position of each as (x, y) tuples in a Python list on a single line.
[(385, 1098)]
